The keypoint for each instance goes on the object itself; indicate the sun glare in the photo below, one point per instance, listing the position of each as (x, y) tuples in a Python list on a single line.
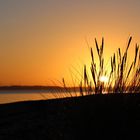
[(104, 79)]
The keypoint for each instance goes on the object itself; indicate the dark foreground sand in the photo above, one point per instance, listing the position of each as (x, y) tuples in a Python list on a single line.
[(96, 117)]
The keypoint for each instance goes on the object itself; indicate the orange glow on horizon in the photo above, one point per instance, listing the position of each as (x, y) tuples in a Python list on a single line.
[(42, 42)]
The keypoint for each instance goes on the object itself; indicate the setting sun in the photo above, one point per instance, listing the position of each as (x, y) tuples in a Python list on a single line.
[(104, 79)]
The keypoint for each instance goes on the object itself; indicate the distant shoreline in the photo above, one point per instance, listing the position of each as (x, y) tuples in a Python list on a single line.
[(44, 88), (48, 88)]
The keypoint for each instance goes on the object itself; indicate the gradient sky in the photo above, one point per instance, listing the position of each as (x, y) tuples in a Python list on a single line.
[(42, 40)]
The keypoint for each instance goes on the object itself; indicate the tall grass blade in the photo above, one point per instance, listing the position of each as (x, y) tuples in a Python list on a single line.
[(97, 48), (130, 39), (136, 54)]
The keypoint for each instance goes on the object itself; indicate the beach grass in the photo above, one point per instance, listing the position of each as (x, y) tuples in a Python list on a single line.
[(122, 77)]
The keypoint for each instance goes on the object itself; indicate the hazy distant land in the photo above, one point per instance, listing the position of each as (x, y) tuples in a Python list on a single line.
[(48, 88)]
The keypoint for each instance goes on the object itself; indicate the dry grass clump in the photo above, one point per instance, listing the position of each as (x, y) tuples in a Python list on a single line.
[(122, 78)]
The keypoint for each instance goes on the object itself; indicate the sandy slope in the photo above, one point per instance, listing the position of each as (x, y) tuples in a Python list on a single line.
[(91, 117)]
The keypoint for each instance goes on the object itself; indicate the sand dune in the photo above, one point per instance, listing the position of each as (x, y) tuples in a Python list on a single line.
[(112, 116)]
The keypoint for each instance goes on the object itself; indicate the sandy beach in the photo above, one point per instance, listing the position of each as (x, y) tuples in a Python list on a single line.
[(112, 116)]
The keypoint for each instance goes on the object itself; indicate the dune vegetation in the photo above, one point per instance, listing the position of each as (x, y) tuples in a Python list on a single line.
[(122, 77)]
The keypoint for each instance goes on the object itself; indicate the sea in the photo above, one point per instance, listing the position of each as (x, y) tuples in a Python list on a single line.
[(11, 96)]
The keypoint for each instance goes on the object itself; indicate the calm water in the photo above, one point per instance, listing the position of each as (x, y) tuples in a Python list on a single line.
[(22, 95)]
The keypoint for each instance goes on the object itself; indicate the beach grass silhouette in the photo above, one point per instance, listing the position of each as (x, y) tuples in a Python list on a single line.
[(122, 77)]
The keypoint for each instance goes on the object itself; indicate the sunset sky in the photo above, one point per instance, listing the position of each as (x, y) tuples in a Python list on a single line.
[(45, 40)]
